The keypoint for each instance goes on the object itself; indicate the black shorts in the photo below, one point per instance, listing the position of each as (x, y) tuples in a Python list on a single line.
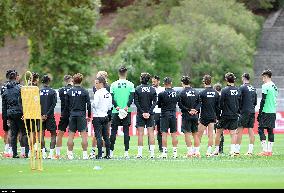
[(49, 124), (267, 120), (141, 122), (116, 121), (168, 120), (247, 120), (189, 124), (5, 124), (206, 122), (63, 124), (77, 124), (230, 124), (157, 118)]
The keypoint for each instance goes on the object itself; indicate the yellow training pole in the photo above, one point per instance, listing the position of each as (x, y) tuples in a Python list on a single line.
[(32, 112), (29, 141)]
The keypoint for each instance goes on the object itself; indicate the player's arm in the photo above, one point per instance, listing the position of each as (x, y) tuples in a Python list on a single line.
[(137, 102), (4, 106), (89, 106), (67, 105), (96, 100), (217, 106), (154, 102), (159, 102), (180, 103), (110, 102), (255, 99), (197, 104), (53, 104), (130, 100), (222, 100)]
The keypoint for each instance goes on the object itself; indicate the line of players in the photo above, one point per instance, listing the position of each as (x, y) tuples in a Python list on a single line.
[(233, 109)]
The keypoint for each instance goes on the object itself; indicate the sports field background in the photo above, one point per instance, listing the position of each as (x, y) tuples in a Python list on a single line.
[(215, 172)]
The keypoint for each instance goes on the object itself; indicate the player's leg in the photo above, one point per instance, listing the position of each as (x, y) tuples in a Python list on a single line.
[(140, 141), (151, 141), (14, 135), (159, 133), (251, 141), (188, 143), (51, 127), (6, 137), (94, 145), (217, 140), (270, 141), (24, 139), (262, 137), (44, 127), (173, 131), (62, 126), (97, 122), (164, 123), (233, 134), (210, 139), (71, 134), (239, 132), (82, 128), (126, 137), (105, 134), (114, 127)]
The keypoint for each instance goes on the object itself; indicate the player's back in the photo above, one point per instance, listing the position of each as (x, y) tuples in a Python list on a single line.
[(271, 91), (229, 102), (248, 98), (145, 95), (167, 100), (209, 102), (48, 99), (188, 97)]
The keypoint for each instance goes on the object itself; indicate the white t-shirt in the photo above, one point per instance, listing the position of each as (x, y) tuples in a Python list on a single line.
[(158, 89)]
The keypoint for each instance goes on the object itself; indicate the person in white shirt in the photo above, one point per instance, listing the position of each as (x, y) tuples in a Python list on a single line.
[(157, 111), (101, 105)]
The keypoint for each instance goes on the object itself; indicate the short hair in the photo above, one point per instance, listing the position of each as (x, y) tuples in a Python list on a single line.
[(207, 79), (230, 77), (167, 80), (35, 76), (8, 73), (156, 77), (217, 87), (102, 73), (67, 78), (246, 76), (145, 77), (77, 78), (267, 72), (101, 79), (12, 75), (45, 79), (122, 70), (185, 80)]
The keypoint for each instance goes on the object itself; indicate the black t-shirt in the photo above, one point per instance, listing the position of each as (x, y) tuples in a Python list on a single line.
[(187, 100), (62, 94), (248, 98), (209, 103), (145, 99), (167, 100), (48, 99), (76, 100), (229, 102)]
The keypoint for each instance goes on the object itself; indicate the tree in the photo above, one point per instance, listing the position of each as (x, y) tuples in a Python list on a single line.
[(62, 35), (157, 51), (221, 40)]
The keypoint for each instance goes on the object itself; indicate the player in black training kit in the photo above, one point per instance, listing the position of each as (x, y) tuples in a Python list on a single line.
[(188, 103), (64, 118), (145, 99), (48, 100), (209, 102), (229, 105), (167, 101), (13, 112), (77, 98), (247, 110)]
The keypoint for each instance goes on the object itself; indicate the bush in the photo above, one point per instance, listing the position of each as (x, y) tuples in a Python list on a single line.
[(157, 51)]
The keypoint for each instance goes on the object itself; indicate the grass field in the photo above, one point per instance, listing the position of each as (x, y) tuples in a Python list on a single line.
[(215, 172)]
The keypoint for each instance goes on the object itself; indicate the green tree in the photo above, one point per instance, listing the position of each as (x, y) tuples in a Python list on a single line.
[(62, 35), (221, 40), (157, 51), (143, 14), (8, 22)]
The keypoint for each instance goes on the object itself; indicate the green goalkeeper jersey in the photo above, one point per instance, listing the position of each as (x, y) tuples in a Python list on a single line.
[(121, 90), (271, 92)]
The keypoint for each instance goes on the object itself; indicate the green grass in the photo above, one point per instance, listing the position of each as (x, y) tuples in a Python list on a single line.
[(215, 172)]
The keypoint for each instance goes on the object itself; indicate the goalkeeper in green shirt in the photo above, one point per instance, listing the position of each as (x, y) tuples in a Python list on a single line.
[(267, 113), (122, 92)]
